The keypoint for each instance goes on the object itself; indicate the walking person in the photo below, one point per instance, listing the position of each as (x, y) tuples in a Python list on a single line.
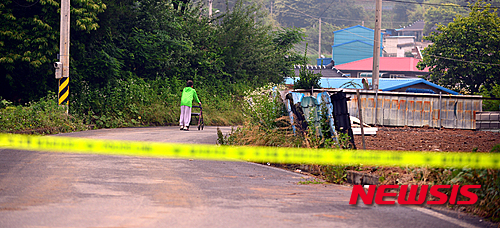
[(188, 94)]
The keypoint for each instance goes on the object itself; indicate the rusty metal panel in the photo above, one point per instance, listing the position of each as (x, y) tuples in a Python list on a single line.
[(467, 114), (393, 114), (417, 110), (370, 107), (426, 112), (435, 112), (459, 111), (410, 113), (378, 112), (449, 114), (401, 121)]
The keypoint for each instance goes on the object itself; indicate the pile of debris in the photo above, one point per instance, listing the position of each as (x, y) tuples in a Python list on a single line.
[(307, 110)]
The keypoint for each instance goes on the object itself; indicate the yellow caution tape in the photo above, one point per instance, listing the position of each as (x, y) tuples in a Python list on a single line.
[(248, 153)]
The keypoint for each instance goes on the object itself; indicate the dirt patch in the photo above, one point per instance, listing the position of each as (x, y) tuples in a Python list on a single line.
[(422, 139), (429, 139), (413, 139)]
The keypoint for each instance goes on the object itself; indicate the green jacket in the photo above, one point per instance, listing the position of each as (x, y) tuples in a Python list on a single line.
[(188, 94)]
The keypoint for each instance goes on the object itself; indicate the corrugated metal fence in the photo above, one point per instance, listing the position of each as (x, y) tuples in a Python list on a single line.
[(416, 109)]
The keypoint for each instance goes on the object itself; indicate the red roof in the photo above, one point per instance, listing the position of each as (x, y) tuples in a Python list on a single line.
[(386, 64)]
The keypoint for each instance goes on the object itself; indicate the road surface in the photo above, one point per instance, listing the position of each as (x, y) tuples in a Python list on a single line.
[(39, 189)]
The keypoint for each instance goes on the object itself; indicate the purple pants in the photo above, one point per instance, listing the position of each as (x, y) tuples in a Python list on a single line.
[(185, 118)]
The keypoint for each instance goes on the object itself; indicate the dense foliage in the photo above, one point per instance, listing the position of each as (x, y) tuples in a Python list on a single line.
[(150, 43), (465, 54), (29, 43), (41, 117)]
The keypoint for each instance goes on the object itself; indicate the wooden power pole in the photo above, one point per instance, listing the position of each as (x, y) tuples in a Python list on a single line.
[(376, 44), (62, 67), (319, 40), (210, 8)]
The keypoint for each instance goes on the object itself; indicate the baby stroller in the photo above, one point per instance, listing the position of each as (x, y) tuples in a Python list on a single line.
[(201, 124)]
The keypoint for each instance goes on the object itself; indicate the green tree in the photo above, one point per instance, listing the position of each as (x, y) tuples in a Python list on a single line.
[(491, 105), (344, 13), (416, 14), (29, 43), (312, 34), (466, 53), (441, 15), (401, 11)]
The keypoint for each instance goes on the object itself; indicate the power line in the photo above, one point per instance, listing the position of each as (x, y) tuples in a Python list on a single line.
[(302, 12), (26, 6), (461, 60), (435, 4), (326, 9), (343, 19)]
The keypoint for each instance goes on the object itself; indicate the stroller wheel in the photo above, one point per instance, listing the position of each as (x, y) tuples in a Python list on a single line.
[(202, 126), (198, 127)]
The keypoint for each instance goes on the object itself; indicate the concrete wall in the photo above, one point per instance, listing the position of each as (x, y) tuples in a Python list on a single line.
[(391, 45), (417, 110), (488, 121)]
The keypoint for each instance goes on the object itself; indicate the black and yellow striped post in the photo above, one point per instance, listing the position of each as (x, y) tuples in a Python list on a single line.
[(63, 91)]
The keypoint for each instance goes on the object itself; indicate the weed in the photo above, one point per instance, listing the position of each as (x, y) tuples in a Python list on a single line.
[(314, 181), (42, 117), (335, 173), (495, 149), (136, 102), (307, 78)]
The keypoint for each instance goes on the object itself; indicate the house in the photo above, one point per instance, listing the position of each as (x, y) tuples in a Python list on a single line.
[(389, 67), (398, 46), (324, 70), (416, 29), (352, 44)]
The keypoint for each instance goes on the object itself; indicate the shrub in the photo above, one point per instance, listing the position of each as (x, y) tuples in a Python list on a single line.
[(42, 117)]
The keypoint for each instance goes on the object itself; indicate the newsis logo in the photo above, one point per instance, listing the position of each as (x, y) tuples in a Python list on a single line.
[(415, 197)]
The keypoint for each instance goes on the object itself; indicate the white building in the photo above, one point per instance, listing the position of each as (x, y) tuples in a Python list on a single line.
[(397, 46)]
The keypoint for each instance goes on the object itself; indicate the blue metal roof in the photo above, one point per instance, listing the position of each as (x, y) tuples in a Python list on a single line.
[(417, 81), (352, 41), (385, 84), (356, 26)]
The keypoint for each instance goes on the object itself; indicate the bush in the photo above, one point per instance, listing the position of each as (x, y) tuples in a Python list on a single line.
[(263, 106), (137, 102), (307, 78), (41, 117), (491, 105)]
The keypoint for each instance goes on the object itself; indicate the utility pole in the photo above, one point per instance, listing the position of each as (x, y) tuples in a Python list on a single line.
[(319, 40), (271, 10), (62, 67), (210, 8), (376, 44)]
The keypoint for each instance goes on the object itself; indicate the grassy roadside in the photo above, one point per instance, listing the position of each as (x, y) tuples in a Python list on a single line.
[(40, 117), (129, 103), (488, 204), (264, 128)]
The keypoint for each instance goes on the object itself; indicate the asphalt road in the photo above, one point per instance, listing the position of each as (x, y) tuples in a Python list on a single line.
[(78, 190)]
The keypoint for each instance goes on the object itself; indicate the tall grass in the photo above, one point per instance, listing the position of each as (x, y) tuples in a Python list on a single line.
[(42, 117), (264, 127), (135, 102), (125, 103)]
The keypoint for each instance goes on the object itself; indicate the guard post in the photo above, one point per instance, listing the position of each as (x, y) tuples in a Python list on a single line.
[(63, 85)]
